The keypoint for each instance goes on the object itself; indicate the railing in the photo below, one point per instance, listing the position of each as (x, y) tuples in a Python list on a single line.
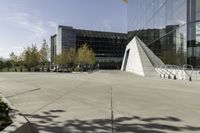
[(159, 69), (188, 70), (173, 71), (168, 69)]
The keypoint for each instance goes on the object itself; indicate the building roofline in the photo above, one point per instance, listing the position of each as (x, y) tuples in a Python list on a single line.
[(65, 27), (54, 35), (70, 27), (101, 31)]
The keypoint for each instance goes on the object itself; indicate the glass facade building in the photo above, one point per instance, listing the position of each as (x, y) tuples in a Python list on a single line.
[(170, 28), (53, 47), (108, 47)]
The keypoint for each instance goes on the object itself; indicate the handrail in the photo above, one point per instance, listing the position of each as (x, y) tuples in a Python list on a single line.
[(168, 70), (185, 68), (164, 69), (176, 68), (171, 69), (159, 68)]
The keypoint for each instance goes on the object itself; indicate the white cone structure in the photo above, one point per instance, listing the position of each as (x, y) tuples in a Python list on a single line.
[(139, 59)]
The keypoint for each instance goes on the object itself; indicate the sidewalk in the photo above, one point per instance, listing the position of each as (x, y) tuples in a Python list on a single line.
[(104, 101)]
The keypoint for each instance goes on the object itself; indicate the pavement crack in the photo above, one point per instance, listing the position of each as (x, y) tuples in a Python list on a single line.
[(24, 92), (64, 94)]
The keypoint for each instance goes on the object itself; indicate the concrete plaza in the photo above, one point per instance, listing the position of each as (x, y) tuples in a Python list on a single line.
[(104, 101)]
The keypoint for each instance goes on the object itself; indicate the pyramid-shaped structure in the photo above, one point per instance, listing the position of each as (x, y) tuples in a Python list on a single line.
[(139, 59)]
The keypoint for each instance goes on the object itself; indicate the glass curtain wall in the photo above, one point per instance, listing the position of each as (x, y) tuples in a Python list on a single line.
[(104, 44), (108, 47), (194, 31), (162, 25)]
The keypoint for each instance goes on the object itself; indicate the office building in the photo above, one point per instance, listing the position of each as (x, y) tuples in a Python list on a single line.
[(108, 46)]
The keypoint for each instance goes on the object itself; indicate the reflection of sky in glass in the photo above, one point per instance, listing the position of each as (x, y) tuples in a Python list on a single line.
[(198, 24), (161, 24), (198, 9), (156, 14), (198, 33)]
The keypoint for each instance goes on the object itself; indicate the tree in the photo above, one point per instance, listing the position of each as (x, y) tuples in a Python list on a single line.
[(8, 64), (126, 1), (59, 59), (70, 57), (66, 58), (44, 53), (85, 56), (2, 64), (20, 61), (13, 59), (31, 57)]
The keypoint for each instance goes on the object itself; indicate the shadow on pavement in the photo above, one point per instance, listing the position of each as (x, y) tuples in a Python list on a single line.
[(47, 122)]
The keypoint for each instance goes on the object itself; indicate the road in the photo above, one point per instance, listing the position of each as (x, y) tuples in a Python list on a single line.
[(104, 101)]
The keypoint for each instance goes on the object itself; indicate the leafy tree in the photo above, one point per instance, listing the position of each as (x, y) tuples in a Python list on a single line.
[(59, 59), (44, 53), (13, 59), (126, 1), (21, 61), (8, 64), (2, 64), (69, 56), (31, 57), (85, 55), (66, 58)]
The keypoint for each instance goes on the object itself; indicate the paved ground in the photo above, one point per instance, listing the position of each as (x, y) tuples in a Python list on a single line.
[(104, 101)]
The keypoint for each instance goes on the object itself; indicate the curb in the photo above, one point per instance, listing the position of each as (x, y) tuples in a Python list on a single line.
[(19, 122)]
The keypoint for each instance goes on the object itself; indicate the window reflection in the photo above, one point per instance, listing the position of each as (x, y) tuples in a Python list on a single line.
[(197, 9), (161, 24)]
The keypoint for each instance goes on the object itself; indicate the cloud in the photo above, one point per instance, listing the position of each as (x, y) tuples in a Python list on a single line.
[(26, 21), (107, 25), (24, 27), (1, 49), (31, 22), (53, 25)]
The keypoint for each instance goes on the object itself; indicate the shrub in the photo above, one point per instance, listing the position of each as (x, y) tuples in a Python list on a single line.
[(77, 69), (4, 117)]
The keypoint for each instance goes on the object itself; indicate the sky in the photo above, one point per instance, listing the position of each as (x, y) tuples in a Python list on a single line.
[(27, 22)]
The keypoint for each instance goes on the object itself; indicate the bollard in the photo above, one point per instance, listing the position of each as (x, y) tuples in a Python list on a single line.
[(175, 77), (190, 79)]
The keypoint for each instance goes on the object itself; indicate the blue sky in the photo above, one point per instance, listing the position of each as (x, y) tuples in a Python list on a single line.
[(27, 22)]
